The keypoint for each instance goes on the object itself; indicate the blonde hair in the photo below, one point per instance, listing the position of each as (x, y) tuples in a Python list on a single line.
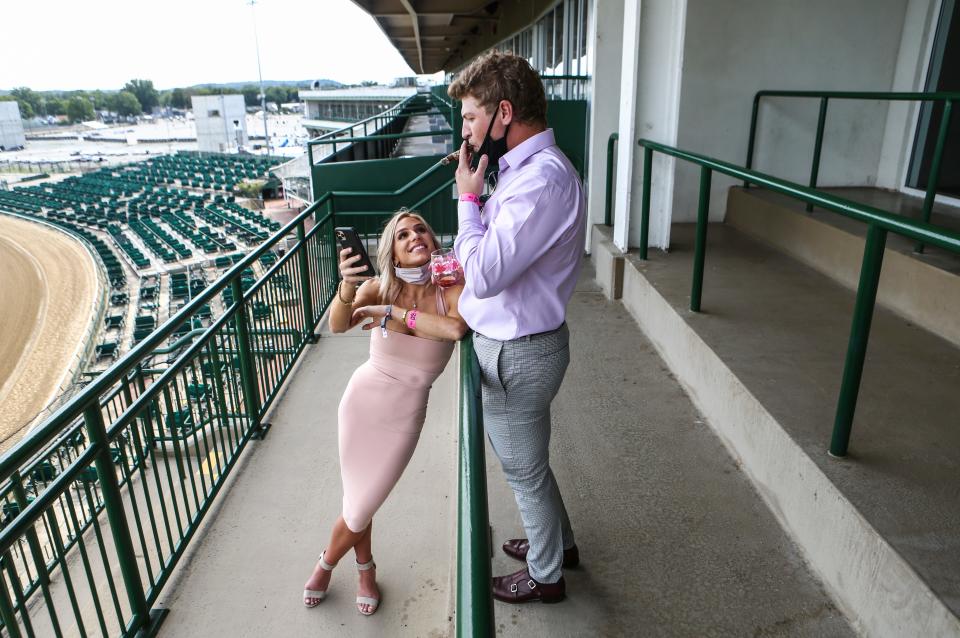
[(389, 284)]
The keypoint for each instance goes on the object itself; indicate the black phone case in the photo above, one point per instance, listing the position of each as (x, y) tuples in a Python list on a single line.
[(347, 237)]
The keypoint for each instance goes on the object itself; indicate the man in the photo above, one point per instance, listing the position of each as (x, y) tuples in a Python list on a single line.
[(521, 252)]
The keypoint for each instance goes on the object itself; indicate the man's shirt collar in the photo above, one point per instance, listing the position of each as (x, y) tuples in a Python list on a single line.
[(519, 154)]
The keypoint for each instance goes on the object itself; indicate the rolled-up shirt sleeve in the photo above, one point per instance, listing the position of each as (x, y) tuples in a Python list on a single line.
[(524, 229)]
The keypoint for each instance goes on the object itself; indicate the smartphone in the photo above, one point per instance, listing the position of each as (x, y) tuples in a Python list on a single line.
[(347, 237)]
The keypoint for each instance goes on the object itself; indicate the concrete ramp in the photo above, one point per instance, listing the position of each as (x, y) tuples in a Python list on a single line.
[(674, 539), (245, 575)]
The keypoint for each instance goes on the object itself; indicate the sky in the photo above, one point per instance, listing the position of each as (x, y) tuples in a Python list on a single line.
[(102, 44)]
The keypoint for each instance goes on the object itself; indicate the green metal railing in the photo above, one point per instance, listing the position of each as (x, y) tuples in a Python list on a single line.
[(380, 129), (151, 446), (608, 197), (879, 223), (933, 180), (474, 599)]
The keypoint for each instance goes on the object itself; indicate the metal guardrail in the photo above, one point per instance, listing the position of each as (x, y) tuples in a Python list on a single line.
[(152, 455), (933, 180), (474, 597), (151, 448), (381, 128), (879, 223)]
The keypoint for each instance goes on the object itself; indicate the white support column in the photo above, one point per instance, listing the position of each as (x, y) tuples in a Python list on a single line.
[(604, 52), (627, 126)]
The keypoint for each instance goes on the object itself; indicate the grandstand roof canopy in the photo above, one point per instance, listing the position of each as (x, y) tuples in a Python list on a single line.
[(435, 35)]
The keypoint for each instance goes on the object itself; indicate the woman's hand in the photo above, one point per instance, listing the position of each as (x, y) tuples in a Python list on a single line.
[(469, 180), (349, 272), (369, 312)]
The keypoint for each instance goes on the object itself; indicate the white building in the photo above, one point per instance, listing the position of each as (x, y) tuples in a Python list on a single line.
[(221, 122), (11, 126)]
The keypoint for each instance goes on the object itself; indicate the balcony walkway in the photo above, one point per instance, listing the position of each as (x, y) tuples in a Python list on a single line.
[(674, 539), (428, 145)]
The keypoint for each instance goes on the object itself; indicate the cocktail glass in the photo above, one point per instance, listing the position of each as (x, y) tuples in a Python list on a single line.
[(445, 270)]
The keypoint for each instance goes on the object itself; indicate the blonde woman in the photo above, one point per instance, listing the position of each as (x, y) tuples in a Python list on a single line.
[(414, 327)]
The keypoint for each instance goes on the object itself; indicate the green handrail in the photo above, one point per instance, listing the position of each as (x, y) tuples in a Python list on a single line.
[(474, 577), (387, 136), (346, 129), (343, 135), (879, 223), (933, 180), (608, 199)]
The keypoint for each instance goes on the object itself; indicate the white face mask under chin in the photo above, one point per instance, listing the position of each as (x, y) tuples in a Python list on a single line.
[(417, 275)]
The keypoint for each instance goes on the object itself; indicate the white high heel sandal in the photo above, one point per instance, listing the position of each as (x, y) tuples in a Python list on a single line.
[(316, 594), (367, 600)]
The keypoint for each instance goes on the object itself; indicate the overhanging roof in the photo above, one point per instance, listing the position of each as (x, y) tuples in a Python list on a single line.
[(431, 34)]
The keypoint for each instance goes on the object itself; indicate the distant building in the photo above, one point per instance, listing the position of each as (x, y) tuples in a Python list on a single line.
[(221, 122), (11, 127), (321, 107)]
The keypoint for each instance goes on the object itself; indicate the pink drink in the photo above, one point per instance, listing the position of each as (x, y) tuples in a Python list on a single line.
[(444, 268)]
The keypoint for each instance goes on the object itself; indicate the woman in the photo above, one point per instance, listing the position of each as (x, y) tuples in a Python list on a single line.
[(385, 403)]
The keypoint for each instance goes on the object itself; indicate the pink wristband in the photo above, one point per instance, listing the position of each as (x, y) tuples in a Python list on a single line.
[(412, 319), (470, 197)]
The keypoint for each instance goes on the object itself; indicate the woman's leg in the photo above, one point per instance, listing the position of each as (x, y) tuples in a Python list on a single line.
[(341, 540), (368, 577)]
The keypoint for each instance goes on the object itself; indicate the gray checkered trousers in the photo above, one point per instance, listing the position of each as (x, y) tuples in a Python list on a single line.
[(519, 379)]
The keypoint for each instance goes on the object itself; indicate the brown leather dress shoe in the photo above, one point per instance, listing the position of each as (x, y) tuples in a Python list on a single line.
[(520, 588), (518, 547)]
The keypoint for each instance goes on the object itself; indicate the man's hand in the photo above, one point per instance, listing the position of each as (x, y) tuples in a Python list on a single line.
[(469, 180)]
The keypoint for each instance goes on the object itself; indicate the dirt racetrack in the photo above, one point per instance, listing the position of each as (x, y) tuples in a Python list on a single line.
[(48, 286)]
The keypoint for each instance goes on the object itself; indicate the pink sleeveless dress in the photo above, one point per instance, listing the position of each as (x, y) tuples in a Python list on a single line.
[(381, 415)]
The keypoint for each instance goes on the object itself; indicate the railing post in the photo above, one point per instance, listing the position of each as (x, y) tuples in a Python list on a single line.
[(645, 201), (142, 620), (933, 179), (700, 247), (474, 600), (817, 147), (10, 625), (753, 135), (859, 336), (247, 371), (305, 297), (608, 202)]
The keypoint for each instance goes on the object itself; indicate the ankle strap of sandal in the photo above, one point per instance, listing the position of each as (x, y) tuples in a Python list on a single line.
[(324, 564), (365, 566)]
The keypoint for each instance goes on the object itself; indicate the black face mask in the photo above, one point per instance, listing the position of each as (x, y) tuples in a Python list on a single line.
[(493, 149)]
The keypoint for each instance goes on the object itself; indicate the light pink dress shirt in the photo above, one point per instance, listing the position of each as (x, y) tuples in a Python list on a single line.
[(521, 254)]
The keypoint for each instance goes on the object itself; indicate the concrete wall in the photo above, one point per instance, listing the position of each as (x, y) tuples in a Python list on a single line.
[(657, 86), (733, 49), (215, 116), (604, 42), (11, 126)]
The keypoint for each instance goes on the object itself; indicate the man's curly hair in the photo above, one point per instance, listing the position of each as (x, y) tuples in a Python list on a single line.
[(496, 76)]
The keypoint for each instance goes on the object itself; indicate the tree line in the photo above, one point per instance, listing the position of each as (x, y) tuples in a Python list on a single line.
[(136, 97)]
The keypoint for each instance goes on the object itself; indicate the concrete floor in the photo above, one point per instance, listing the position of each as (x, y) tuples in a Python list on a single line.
[(674, 539), (782, 328), (246, 575)]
